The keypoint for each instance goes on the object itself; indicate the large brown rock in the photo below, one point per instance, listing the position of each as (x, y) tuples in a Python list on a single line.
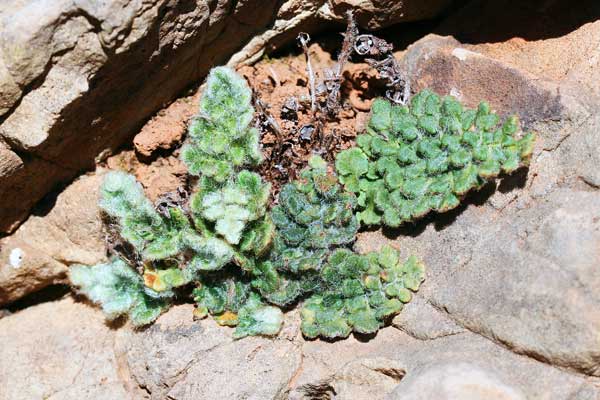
[(70, 230), (78, 77), (60, 351), (64, 350), (376, 14), (178, 358), (448, 381)]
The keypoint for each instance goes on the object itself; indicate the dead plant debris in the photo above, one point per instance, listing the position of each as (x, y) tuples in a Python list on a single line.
[(310, 103)]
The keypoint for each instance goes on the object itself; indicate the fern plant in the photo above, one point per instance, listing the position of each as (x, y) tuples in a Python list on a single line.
[(120, 291), (228, 296), (227, 223), (243, 261), (427, 156), (314, 215), (360, 292)]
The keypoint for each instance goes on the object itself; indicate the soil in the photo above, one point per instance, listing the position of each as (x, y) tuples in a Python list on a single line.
[(290, 130), (167, 128), (163, 175), (282, 86)]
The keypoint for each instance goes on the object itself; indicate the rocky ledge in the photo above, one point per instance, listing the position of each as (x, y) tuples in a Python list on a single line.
[(511, 305)]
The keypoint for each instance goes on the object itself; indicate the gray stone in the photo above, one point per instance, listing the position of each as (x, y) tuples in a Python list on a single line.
[(518, 261), (452, 381), (178, 358), (65, 350), (42, 249), (60, 350), (377, 14), (87, 75), (423, 321), (384, 367)]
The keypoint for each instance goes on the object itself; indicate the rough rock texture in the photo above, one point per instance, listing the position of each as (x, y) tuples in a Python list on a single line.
[(376, 14), (59, 350), (518, 263), (69, 230), (511, 305), (167, 129), (296, 16), (77, 77), (77, 355), (170, 360), (42, 249), (455, 381), (81, 76), (378, 368), (423, 321)]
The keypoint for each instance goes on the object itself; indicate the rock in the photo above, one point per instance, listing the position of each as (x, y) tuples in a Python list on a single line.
[(550, 40), (368, 378), (178, 358), (454, 381), (377, 14), (23, 178), (518, 262), (171, 359), (41, 250), (422, 321), (70, 230), (162, 175), (60, 350), (539, 287), (296, 16), (87, 75), (166, 130), (394, 365)]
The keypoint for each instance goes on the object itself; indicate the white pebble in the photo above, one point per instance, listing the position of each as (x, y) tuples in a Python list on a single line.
[(16, 257)]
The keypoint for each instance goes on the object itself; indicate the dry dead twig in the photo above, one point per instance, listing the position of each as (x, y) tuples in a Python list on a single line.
[(398, 84), (333, 77), (304, 39)]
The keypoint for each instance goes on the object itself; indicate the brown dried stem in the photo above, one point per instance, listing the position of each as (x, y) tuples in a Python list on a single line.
[(333, 81), (304, 39), (386, 64)]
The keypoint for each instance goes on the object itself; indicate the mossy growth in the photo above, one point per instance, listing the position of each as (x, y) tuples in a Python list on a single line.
[(221, 139), (427, 156), (243, 261), (228, 296), (153, 235), (119, 290), (314, 214)]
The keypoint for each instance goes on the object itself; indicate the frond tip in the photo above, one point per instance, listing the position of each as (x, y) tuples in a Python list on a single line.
[(119, 290)]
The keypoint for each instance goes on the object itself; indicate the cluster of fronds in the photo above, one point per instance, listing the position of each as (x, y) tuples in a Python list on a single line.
[(313, 216), (360, 292), (427, 156), (119, 290), (227, 222), (245, 261)]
